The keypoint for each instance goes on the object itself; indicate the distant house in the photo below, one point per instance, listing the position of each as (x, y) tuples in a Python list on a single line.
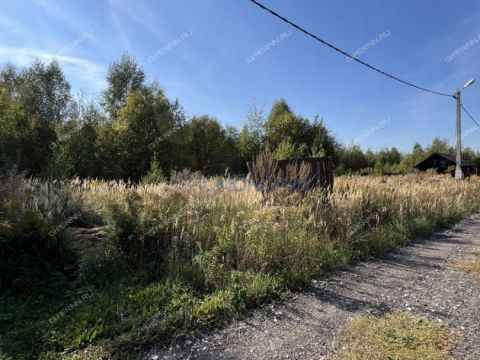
[(441, 161)]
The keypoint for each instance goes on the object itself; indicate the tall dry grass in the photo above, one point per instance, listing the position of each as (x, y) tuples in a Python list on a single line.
[(195, 252), (194, 227)]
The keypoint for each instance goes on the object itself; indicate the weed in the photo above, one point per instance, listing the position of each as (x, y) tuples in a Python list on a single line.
[(472, 267), (396, 336)]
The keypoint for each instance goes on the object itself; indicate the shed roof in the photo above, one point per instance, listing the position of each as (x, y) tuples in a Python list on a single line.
[(449, 157)]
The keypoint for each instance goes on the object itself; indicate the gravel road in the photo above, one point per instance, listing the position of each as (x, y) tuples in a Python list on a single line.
[(415, 278)]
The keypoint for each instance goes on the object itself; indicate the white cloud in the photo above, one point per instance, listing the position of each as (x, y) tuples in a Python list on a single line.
[(117, 25), (138, 13), (84, 73)]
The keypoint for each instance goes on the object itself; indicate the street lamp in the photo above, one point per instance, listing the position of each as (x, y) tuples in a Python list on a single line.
[(458, 169)]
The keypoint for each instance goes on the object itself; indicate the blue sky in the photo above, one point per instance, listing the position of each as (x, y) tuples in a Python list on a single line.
[(202, 54)]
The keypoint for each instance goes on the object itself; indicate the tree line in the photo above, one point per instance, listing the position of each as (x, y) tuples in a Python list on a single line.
[(133, 131)]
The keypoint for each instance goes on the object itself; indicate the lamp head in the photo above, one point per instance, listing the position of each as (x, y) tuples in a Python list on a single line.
[(468, 83)]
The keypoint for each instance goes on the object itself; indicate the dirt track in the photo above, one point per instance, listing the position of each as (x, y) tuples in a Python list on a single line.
[(415, 278)]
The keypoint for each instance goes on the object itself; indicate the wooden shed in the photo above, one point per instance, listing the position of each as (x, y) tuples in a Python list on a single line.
[(322, 169), (277, 173)]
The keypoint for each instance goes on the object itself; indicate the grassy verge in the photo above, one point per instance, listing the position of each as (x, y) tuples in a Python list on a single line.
[(191, 256), (395, 336), (471, 267)]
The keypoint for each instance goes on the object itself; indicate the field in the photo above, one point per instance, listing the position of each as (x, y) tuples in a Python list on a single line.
[(96, 267)]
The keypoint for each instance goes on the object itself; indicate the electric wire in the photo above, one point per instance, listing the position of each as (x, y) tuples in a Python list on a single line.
[(470, 116), (344, 52)]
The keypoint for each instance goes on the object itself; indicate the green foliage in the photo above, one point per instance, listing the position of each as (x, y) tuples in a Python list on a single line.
[(352, 159), (30, 249), (287, 150), (142, 237), (14, 130), (293, 136), (42, 90), (212, 148), (144, 118), (123, 78), (74, 151), (155, 174), (32, 102), (439, 145), (253, 135), (45, 132)]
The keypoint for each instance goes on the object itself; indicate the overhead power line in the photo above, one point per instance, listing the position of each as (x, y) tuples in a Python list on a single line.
[(344, 52), (470, 116)]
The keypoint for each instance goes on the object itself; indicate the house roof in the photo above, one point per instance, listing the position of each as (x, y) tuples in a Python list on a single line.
[(449, 157)]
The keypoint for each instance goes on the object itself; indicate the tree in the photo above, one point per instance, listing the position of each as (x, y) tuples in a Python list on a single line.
[(75, 152), (14, 130), (352, 159), (293, 131), (209, 145), (8, 79), (283, 125), (145, 125), (389, 156), (232, 158), (124, 77), (44, 92), (155, 174), (417, 153), (252, 138), (371, 158), (37, 99), (108, 147), (468, 154), (322, 139), (439, 145), (394, 156)]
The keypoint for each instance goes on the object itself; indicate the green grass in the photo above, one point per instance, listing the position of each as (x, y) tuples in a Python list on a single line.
[(131, 314), (396, 336)]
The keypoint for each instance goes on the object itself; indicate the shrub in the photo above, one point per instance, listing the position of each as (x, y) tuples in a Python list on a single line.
[(155, 174), (28, 251), (141, 228)]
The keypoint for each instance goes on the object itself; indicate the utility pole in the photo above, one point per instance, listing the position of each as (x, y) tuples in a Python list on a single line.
[(458, 168)]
